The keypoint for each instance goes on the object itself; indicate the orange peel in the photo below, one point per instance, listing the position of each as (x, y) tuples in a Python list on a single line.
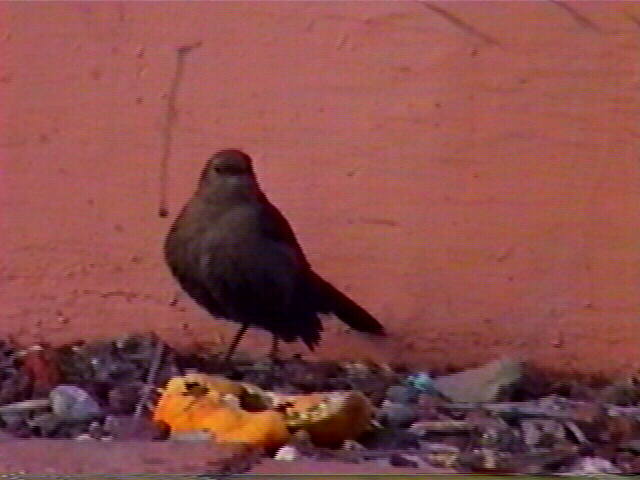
[(197, 402)]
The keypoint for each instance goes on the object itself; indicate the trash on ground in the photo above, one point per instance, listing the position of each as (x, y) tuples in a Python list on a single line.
[(502, 417)]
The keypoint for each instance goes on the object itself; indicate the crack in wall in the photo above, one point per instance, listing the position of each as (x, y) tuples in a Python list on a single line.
[(461, 24), (580, 18), (170, 120)]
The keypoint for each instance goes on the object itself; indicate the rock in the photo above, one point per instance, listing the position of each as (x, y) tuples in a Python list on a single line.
[(541, 432), (397, 415), (389, 439), (73, 404), (435, 447), (500, 438), (26, 406), (15, 388), (421, 383), (484, 420), (404, 460), (540, 461), (356, 369), (587, 412), (96, 431), (423, 428), (591, 419), (302, 440), (482, 384), (287, 453), (124, 360), (373, 387), (486, 460), (123, 398), (264, 379), (69, 429), (624, 393), (632, 446), (628, 463), (620, 429), (401, 394), (14, 420), (429, 406), (592, 466), (16, 415), (443, 459), (45, 424), (578, 435), (351, 445), (511, 410), (305, 377), (167, 371), (139, 347), (41, 364)]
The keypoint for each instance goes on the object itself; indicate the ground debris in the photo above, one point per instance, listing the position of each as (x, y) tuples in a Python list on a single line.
[(592, 466), (440, 426), (497, 418), (483, 384)]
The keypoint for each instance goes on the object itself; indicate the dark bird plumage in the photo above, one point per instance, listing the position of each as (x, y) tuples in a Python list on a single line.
[(236, 255)]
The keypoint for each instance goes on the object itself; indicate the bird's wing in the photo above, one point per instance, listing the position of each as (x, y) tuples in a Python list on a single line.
[(274, 226), (250, 267), (313, 292)]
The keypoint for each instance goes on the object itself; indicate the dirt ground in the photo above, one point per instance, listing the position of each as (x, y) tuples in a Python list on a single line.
[(466, 171), (62, 457)]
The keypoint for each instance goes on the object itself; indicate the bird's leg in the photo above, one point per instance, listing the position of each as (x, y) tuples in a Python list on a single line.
[(274, 357), (235, 342), (273, 353)]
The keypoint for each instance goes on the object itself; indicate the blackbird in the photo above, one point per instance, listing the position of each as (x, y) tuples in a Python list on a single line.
[(236, 255)]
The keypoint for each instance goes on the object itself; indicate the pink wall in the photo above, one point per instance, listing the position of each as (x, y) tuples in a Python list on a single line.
[(473, 180)]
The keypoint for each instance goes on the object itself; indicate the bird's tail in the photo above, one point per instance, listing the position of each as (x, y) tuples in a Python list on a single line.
[(332, 300)]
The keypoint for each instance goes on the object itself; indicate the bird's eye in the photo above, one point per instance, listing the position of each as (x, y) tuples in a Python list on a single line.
[(217, 169)]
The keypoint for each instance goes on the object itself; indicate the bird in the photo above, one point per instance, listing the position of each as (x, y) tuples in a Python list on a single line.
[(234, 253)]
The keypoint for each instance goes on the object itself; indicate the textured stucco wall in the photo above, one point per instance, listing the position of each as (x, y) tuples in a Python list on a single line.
[(467, 171)]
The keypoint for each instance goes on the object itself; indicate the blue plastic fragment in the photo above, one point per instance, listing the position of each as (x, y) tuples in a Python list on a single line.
[(422, 382)]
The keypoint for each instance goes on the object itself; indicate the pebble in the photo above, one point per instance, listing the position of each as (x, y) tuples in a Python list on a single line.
[(287, 453), (592, 466), (124, 398), (390, 439), (13, 420), (404, 460), (436, 447), (45, 423), (483, 384), (397, 415), (351, 445), (421, 383), (440, 426), (73, 404), (541, 432), (401, 394)]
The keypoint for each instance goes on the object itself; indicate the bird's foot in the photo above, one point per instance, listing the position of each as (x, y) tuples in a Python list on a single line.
[(275, 364)]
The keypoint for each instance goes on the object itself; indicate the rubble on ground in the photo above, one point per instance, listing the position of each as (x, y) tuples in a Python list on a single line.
[(503, 417)]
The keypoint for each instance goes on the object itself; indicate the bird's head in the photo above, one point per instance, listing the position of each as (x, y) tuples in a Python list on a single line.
[(228, 172)]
